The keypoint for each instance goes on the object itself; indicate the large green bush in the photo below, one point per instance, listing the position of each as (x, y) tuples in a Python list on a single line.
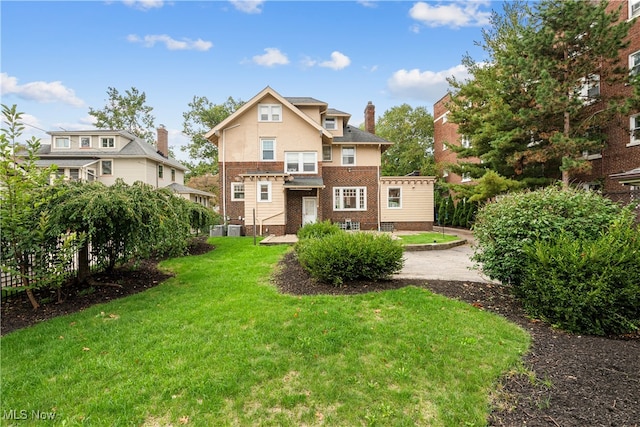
[(343, 257), (504, 227), (585, 286)]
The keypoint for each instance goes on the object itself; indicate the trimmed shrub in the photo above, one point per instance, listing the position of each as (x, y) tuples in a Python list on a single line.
[(503, 228), (317, 230), (589, 287), (343, 257)]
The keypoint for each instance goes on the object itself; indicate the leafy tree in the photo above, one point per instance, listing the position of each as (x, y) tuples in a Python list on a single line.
[(411, 130), (490, 185), (126, 112), (533, 107), (28, 244), (201, 118)]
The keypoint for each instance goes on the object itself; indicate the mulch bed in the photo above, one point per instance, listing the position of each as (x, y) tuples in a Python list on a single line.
[(580, 380)]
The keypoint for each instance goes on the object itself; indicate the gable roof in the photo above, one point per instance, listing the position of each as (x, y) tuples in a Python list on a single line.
[(135, 148), (213, 134)]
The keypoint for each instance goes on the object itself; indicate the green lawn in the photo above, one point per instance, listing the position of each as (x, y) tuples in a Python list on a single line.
[(424, 238), (218, 345)]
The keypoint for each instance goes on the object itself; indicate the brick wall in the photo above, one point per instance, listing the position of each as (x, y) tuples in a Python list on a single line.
[(357, 176), (294, 209)]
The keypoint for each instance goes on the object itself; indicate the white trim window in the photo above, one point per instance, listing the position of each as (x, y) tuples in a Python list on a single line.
[(160, 171), (106, 167), (634, 128), (465, 141), (108, 142), (330, 123), (394, 197), (85, 142), (350, 198), (237, 191), (301, 162), (269, 113), (74, 174), (327, 153), (267, 149), (590, 89), (634, 9), (264, 191), (634, 63), (349, 156), (173, 175), (62, 142)]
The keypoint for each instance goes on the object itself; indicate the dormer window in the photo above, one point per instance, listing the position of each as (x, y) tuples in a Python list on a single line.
[(270, 113), (330, 123), (85, 142), (62, 142), (107, 142)]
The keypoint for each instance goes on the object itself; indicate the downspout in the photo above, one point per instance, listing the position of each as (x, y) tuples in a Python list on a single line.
[(379, 189), (224, 174)]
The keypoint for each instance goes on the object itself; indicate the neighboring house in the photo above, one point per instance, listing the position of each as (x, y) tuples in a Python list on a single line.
[(614, 170), (288, 161), (108, 155)]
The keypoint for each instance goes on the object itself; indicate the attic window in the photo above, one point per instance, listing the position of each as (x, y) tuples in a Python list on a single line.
[(330, 123), (270, 113), (62, 143), (107, 142)]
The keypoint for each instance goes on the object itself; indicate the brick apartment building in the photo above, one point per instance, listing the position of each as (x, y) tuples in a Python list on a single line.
[(615, 171)]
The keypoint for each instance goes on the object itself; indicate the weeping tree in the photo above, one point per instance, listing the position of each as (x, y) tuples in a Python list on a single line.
[(32, 251)]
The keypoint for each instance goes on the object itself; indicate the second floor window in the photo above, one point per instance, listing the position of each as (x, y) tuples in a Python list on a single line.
[(85, 142), (305, 162), (326, 153), (107, 167), (107, 142), (270, 113), (267, 149), (348, 156), (634, 8), (173, 174), (160, 171), (62, 143)]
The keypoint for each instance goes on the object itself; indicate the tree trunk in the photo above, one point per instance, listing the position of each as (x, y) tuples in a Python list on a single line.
[(83, 262)]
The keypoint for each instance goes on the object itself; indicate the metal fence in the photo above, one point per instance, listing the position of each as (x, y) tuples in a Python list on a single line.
[(12, 284)]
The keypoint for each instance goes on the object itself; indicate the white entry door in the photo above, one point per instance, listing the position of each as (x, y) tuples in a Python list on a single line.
[(309, 210)]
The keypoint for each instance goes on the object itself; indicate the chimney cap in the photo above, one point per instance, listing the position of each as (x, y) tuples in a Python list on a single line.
[(161, 126)]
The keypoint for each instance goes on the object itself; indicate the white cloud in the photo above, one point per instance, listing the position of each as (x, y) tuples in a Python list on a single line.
[(367, 3), (150, 40), (338, 61), (248, 6), (144, 4), (45, 92), (272, 57), (424, 85), (456, 15)]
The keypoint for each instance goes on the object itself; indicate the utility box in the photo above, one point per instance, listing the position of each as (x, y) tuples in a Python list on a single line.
[(217, 231), (234, 230)]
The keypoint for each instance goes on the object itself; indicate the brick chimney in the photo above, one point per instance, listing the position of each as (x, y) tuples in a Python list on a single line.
[(370, 118), (162, 144)]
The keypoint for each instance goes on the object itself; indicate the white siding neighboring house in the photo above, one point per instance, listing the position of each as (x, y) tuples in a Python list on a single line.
[(108, 155)]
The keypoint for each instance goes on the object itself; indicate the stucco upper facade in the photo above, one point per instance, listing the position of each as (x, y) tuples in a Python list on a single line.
[(285, 161)]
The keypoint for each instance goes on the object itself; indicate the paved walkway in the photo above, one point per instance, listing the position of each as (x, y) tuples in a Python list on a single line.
[(447, 264)]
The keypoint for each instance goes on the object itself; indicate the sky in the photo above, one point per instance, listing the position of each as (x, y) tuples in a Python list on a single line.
[(58, 59)]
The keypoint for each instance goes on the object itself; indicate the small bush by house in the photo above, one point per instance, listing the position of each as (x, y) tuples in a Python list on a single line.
[(318, 230), (341, 257)]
